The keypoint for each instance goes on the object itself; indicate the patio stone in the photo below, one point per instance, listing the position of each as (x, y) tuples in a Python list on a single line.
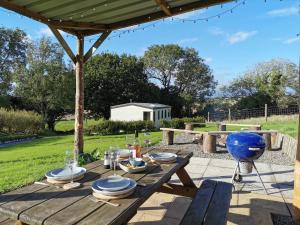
[(195, 177), (200, 161), (223, 163)]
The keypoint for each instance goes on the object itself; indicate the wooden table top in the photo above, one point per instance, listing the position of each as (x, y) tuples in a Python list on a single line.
[(38, 204)]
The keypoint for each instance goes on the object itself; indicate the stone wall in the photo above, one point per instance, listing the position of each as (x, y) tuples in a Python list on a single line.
[(286, 143)]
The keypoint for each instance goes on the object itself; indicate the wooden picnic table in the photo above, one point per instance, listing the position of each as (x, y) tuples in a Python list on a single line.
[(38, 204)]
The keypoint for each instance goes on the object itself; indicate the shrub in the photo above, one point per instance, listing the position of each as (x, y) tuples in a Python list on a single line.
[(20, 121), (178, 123), (106, 127)]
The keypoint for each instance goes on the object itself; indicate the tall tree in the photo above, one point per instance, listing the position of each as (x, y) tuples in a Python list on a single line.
[(111, 79), (162, 63), (46, 82), (13, 45), (183, 75)]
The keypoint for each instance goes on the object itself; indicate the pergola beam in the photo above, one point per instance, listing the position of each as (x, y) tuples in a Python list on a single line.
[(97, 43), (63, 43), (164, 7), (55, 23), (159, 15)]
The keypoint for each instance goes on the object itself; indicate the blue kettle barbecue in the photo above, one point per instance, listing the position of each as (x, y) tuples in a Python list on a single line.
[(245, 147)]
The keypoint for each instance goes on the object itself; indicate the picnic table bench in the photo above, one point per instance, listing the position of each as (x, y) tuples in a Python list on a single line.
[(39, 204), (210, 205)]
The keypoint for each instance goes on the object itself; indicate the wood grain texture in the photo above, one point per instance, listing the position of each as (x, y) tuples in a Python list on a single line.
[(210, 205), (38, 204)]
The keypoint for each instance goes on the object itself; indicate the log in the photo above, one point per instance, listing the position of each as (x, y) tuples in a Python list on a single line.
[(168, 137), (222, 127), (210, 143), (189, 126), (267, 137)]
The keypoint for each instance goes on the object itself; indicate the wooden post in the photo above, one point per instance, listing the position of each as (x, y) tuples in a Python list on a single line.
[(267, 137), (168, 137), (222, 127), (266, 112), (209, 143), (229, 115), (296, 199), (79, 97), (207, 116), (189, 126)]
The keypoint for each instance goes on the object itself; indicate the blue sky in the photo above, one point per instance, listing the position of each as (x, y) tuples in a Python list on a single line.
[(255, 31)]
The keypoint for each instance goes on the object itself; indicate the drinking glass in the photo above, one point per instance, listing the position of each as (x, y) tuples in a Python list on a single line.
[(129, 141), (147, 140), (69, 162)]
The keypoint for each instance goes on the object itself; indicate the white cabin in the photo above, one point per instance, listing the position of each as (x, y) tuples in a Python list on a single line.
[(141, 111)]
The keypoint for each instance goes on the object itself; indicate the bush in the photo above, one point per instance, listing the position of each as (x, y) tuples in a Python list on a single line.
[(178, 123), (20, 121), (106, 127)]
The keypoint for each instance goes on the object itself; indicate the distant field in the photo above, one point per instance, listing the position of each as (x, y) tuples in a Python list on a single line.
[(284, 124), (25, 163)]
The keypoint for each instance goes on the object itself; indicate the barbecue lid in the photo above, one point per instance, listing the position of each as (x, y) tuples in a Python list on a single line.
[(245, 139)]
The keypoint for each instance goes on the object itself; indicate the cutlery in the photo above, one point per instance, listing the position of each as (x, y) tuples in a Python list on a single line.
[(103, 201), (46, 184)]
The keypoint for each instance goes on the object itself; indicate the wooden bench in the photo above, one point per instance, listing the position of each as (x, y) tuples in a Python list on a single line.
[(168, 134), (211, 204), (222, 126)]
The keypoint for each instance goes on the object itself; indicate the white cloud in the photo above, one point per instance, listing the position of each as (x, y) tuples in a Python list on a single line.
[(187, 40), (208, 60), (217, 31), (45, 31), (289, 11), (240, 36), (291, 40)]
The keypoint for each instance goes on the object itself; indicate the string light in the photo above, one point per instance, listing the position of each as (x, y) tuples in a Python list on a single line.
[(121, 32)]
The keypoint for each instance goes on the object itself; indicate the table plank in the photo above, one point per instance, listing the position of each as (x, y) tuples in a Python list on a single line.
[(119, 215), (45, 209), (85, 206), (13, 209)]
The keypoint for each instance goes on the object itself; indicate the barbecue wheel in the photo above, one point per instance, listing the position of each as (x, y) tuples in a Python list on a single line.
[(238, 178)]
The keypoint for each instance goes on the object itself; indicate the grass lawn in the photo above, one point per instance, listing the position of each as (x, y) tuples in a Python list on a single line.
[(284, 124), (24, 163), (67, 125)]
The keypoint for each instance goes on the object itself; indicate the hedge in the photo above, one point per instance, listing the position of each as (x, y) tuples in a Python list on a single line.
[(106, 127), (20, 121), (178, 123)]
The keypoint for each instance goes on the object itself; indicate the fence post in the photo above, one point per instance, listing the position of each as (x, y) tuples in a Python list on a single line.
[(207, 116), (229, 115), (266, 112)]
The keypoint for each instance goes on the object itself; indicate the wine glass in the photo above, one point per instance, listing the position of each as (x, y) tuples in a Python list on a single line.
[(147, 140), (129, 141)]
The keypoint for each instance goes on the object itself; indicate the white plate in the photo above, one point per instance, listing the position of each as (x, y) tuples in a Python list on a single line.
[(124, 153), (65, 173), (129, 188), (162, 156), (136, 169), (113, 183)]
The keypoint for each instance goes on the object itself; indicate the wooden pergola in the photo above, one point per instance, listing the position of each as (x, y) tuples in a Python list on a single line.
[(83, 18)]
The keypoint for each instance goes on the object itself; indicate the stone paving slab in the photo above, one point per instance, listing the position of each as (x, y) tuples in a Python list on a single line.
[(249, 205)]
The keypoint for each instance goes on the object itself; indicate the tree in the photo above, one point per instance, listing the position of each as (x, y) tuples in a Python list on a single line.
[(111, 79), (183, 75), (13, 45), (274, 82), (162, 63), (46, 82)]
